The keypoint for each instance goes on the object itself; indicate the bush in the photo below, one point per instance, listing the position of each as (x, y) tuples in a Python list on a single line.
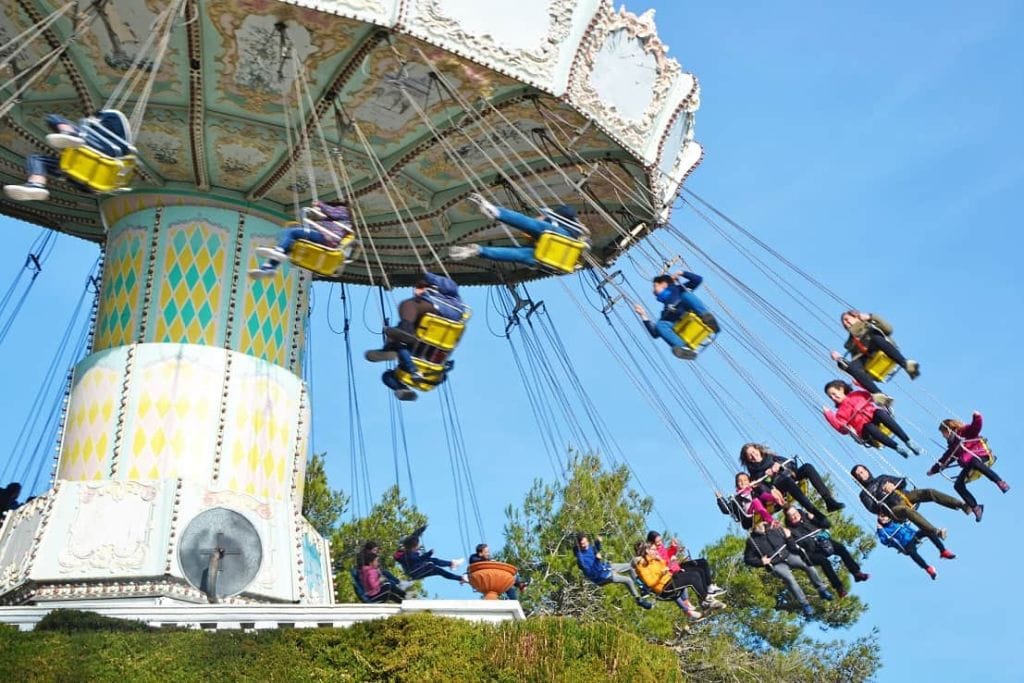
[(73, 620), (413, 648)]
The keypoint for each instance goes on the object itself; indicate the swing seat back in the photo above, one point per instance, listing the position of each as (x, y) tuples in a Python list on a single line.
[(989, 460), (432, 373), (880, 366), (97, 171), (322, 260), (558, 252), (433, 330), (693, 331)]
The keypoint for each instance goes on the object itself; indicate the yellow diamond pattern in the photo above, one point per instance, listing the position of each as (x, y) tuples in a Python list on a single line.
[(89, 425), (267, 313), (174, 417), (192, 284), (260, 435), (123, 279)]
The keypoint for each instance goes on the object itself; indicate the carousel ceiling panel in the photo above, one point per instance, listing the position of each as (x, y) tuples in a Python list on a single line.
[(163, 143), (246, 71), (239, 151), (420, 98)]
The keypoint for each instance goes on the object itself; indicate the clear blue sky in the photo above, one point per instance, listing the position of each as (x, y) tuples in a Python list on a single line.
[(875, 145)]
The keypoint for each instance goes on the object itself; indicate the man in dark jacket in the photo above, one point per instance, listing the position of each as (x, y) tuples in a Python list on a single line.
[(776, 551), (818, 546), (676, 295), (431, 294), (593, 566)]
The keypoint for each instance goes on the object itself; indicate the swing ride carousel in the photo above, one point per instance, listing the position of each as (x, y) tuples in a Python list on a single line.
[(184, 437)]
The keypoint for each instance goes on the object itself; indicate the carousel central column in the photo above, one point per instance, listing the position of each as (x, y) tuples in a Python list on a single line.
[(190, 401)]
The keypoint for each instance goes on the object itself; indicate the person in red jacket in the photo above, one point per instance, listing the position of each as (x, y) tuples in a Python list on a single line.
[(967, 448), (857, 413)]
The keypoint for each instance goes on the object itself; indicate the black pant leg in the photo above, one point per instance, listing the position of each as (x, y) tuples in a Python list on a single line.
[(960, 486), (840, 551), (884, 417), (855, 368), (878, 341)]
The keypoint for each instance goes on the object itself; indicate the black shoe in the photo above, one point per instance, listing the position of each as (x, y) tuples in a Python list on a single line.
[(710, 321), (405, 394), (378, 355), (683, 352), (833, 505)]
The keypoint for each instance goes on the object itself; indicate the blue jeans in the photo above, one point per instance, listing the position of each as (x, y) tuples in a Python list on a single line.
[(522, 255), (391, 381), (688, 301), (532, 227), (45, 165), (290, 236), (665, 330)]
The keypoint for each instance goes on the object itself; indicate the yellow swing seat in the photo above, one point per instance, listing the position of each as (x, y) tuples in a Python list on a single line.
[(870, 443), (558, 252), (880, 366), (97, 171), (694, 331), (432, 373), (443, 333), (320, 259)]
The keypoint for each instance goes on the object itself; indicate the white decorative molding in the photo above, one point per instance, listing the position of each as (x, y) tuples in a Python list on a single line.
[(497, 43), (126, 506), (624, 36)]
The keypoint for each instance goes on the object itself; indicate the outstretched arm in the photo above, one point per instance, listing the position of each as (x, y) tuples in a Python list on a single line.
[(972, 430), (691, 280)]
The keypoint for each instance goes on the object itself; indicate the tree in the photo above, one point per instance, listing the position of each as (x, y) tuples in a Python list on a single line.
[(390, 520), (321, 505), (751, 640)]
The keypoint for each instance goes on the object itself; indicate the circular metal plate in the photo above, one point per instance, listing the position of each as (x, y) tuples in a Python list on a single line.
[(233, 538)]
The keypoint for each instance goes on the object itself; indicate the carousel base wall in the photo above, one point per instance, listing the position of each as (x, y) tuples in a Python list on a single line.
[(118, 540)]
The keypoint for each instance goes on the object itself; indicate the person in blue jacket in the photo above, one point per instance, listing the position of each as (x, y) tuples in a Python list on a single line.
[(561, 219), (675, 292), (590, 562), (431, 294), (419, 564), (904, 538)]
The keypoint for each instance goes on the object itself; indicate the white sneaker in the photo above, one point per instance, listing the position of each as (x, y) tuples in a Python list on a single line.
[(405, 585), (715, 590), (262, 273), (462, 252), (485, 206), (64, 140), (27, 193), (457, 561), (271, 253), (713, 603)]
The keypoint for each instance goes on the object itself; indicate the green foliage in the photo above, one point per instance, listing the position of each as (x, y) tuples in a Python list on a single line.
[(321, 505), (73, 620), (411, 648), (391, 519), (735, 644)]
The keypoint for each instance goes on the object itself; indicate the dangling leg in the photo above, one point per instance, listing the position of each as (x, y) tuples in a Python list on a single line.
[(810, 473), (882, 343), (39, 168), (884, 417), (933, 496), (402, 392), (789, 486), (522, 255), (873, 433), (666, 330), (960, 486), (844, 555), (855, 368)]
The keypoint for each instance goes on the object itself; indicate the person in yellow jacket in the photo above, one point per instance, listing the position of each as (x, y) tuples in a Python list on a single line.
[(656, 575)]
